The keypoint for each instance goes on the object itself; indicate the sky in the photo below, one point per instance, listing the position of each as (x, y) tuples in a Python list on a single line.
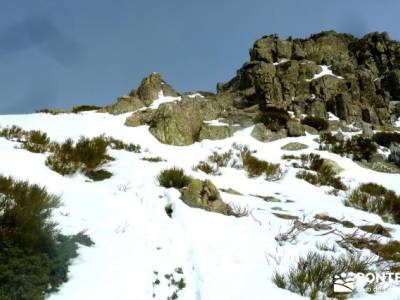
[(71, 52)]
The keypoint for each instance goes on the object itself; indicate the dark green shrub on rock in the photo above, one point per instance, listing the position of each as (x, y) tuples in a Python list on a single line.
[(273, 118), (318, 123), (386, 138)]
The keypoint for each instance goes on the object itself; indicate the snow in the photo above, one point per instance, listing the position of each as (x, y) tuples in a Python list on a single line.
[(221, 257), (281, 61), (216, 123), (326, 70), (397, 123), (195, 95), (332, 117)]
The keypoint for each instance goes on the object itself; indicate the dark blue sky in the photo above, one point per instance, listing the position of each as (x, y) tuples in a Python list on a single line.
[(67, 52)]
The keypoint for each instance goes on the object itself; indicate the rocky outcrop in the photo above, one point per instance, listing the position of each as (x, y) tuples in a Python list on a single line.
[(151, 87), (204, 195), (355, 79), (123, 105), (262, 134)]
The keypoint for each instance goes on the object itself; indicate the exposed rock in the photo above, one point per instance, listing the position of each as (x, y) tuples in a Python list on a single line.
[(335, 167), (395, 154), (310, 130), (150, 88), (294, 128), (294, 146), (139, 118), (262, 134), (211, 132), (366, 129), (384, 167), (363, 77), (204, 195), (123, 105), (179, 123), (339, 136)]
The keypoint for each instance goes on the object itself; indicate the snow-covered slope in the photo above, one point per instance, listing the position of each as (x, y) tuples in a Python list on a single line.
[(136, 243)]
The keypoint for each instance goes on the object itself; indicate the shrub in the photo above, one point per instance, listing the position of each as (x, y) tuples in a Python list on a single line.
[(324, 175), (87, 155), (81, 108), (318, 123), (221, 159), (386, 138), (206, 168), (37, 142), (153, 159), (120, 145), (12, 133), (273, 118), (256, 167), (375, 198), (173, 177), (98, 175), (313, 274), (34, 258), (358, 147)]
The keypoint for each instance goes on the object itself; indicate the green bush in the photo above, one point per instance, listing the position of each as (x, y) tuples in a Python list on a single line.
[(273, 118), (324, 174), (375, 198), (318, 123), (98, 175), (221, 159), (206, 168), (86, 154), (120, 145), (313, 274), (37, 142), (386, 138), (173, 177), (257, 167), (81, 108), (358, 147), (34, 258)]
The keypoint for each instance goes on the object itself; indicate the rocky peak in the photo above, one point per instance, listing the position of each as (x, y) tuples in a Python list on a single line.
[(150, 88), (356, 79)]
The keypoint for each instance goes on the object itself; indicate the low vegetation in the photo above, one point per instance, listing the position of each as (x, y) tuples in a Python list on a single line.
[(173, 178), (153, 159), (257, 167), (273, 118), (34, 257), (312, 275), (207, 168), (375, 198), (221, 159), (317, 171), (358, 147), (386, 138), (87, 155), (318, 123)]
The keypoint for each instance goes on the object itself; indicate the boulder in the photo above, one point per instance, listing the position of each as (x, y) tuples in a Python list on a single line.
[(294, 146), (335, 167), (310, 130), (294, 128), (179, 123), (123, 105), (212, 132), (139, 118), (204, 195), (262, 134)]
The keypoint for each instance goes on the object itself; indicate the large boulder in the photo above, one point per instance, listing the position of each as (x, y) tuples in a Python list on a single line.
[(262, 134), (395, 153), (204, 195), (294, 128), (179, 123), (215, 132)]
